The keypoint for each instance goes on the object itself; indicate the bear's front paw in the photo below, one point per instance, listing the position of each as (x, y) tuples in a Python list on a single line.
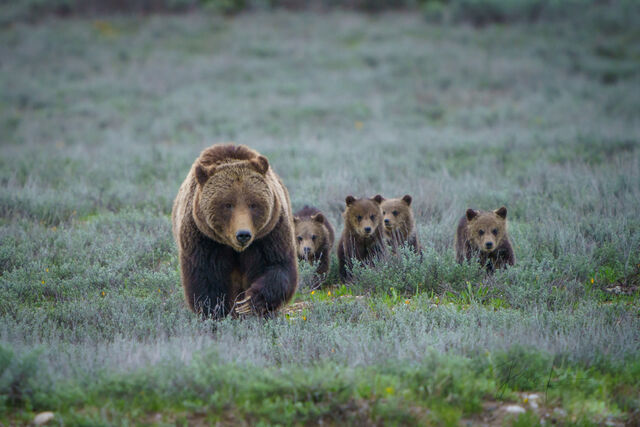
[(251, 303), (243, 306)]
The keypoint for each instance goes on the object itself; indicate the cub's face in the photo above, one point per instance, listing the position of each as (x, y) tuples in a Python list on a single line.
[(487, 229), (363, 216), (311, 235), (235, 202), (396, 214)]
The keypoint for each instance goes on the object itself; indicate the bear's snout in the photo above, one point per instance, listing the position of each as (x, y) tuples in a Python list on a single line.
[(488, 245), (387, 221), (243, 236), (367, 230)]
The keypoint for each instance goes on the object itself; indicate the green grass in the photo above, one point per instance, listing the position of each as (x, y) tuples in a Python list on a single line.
[(101, 120)]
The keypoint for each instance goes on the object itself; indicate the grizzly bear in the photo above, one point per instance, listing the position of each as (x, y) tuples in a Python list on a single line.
[(362, 237), (399, 225), (314, 236), (233, 226), (484, 234)]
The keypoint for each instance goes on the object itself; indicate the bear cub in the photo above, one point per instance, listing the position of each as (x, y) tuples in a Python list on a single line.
[(399, 225), (314, 237), (484, 234), (362, 237)]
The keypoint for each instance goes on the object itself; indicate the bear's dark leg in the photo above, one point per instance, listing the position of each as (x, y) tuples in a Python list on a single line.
[(204, 277), (269, 291)]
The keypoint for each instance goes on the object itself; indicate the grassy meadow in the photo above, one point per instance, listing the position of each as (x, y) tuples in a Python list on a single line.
[(101, 118)]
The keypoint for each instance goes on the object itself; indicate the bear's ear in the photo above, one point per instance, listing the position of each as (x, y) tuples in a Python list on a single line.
[(318, 218), (471, 214), (502, 212), (378, 199), (407, 199), (349, 200), (260, 164), (202, 175)]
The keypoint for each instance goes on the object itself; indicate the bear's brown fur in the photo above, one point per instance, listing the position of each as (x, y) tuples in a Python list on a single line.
[(233, 226), (484, 234), (399, 225), (362, 237), (314, 237)]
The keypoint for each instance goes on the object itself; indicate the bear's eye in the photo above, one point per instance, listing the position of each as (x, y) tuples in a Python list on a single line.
[(299, 238), (359, 218), (481, 232), (313, 237), (227, 205), (384, 212), (495, 231), (395, 213), (373, 217), (253, 206)]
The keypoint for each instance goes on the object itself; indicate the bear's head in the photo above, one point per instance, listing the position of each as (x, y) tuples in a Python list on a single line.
[(311, 235), (486, 230), (363, 216), (397, 215), (233, 202)]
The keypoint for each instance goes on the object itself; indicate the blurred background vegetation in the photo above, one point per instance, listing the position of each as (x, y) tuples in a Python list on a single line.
[(476, 12)]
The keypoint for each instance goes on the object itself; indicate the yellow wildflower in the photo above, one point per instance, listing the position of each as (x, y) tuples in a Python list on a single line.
[(329, 293), (103, 294), (313, 292), (304, 318), (46, 269), (43, 282), (359, 125), (389, 390), (406, 301), (592, 280)]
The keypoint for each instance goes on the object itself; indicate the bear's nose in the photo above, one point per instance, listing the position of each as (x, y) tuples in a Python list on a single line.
[(489, 245), (307, 250), (367, 229), (386, 221), (243, 236)]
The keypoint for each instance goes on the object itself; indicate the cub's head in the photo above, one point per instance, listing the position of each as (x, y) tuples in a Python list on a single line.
[(487, 229), (311, 235), (397, 215), (363, 216), (233, 201)]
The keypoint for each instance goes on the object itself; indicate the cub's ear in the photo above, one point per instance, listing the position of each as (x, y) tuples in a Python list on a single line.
[(202, 174), (296, 219), (260, 164), (407, 199), (349, 200), (502, 212), (318, 218), (378, 199), (471, 214)]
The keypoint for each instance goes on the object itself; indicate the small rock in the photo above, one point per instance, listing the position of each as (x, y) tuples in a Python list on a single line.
[(515, 409), (43, 418)]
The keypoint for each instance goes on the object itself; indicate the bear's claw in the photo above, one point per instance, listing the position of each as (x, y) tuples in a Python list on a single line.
[(244, 306)]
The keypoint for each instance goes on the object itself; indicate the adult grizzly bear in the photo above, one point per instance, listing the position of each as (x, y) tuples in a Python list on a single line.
[(362, 236), (233, 226), (314, 235), (484, 235)]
